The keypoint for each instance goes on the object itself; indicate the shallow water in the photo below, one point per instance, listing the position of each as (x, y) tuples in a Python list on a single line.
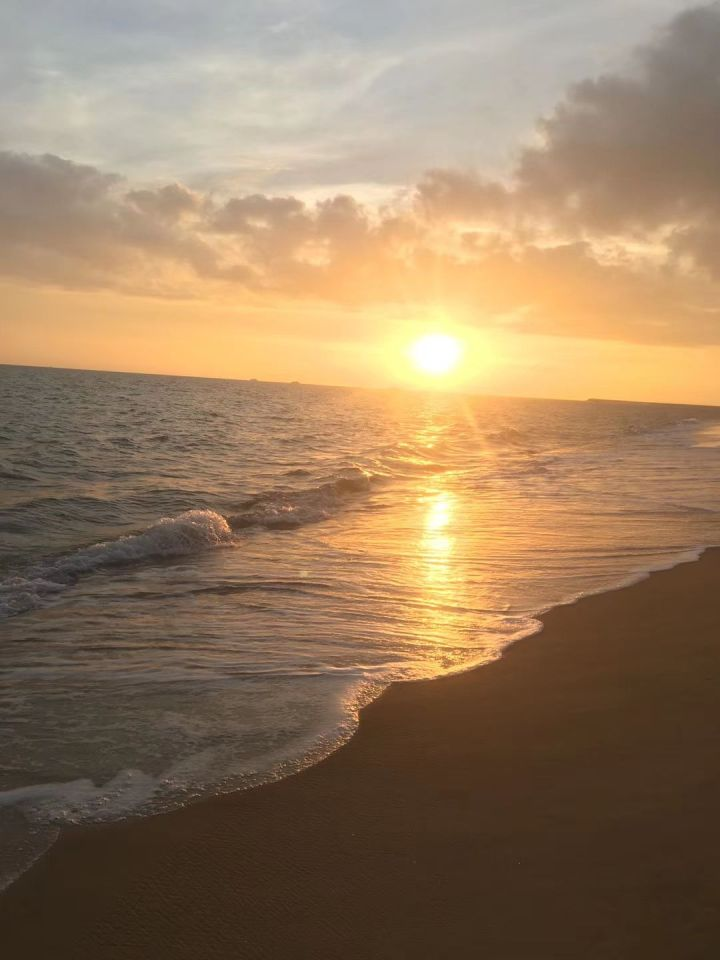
[(201, 580)]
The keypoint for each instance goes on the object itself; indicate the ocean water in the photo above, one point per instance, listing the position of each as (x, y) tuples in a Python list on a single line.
[(201, 580)]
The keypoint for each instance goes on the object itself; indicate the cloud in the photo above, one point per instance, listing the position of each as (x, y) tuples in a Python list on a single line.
[(169, 204), (69, 223), (639, 151), (452, 194), (606, 228), (293, 93), (623, 154)]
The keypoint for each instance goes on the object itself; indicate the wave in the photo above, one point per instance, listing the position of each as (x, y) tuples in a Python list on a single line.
[(8, 472), (191, 532), (505, 437), (287, 509)]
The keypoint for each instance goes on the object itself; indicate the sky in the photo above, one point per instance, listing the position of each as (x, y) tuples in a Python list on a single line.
[(299, 190)]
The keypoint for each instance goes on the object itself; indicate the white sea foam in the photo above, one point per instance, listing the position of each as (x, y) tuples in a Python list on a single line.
[(191, 532), (32, 816), (170, 537), (82, 799)]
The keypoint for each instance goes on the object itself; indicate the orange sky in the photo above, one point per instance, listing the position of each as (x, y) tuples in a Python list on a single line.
[(99, 331)]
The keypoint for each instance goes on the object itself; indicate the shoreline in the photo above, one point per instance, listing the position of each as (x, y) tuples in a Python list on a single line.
[(422, 812), (337, 736)]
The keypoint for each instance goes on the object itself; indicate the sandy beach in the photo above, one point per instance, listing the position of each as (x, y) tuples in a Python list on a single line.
[(561, 802)]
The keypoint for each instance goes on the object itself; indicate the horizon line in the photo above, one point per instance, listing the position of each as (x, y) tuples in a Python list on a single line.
[(339, 386)]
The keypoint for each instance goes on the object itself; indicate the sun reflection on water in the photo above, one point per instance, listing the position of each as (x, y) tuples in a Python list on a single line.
[(436, 542)]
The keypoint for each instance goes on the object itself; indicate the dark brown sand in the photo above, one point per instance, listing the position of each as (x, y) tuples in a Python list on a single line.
[(562, 802)]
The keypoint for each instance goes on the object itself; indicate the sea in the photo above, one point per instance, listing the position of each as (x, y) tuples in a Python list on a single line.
[(202, 581)]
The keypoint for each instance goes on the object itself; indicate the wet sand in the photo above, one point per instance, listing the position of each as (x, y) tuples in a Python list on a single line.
[(563, 802)]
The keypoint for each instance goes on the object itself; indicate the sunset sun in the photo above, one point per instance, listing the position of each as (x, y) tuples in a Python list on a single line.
[(436, 354)]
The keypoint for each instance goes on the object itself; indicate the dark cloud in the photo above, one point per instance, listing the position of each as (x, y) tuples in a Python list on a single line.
[(169, 203), (71, 224), (621, 154), (271, 228), (637, 151), (51, 202), (467, 196)]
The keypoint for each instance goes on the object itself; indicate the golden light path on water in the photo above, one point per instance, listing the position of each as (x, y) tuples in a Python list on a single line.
[(437, 571), (437, 542)]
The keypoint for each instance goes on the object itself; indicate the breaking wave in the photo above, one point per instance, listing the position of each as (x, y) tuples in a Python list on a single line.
[(190, 532), (193, 531)]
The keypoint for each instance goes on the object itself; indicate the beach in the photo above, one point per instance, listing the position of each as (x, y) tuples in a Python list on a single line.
[(560, 802)]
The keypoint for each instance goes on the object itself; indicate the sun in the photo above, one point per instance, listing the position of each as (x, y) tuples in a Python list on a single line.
[(436, 353)]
